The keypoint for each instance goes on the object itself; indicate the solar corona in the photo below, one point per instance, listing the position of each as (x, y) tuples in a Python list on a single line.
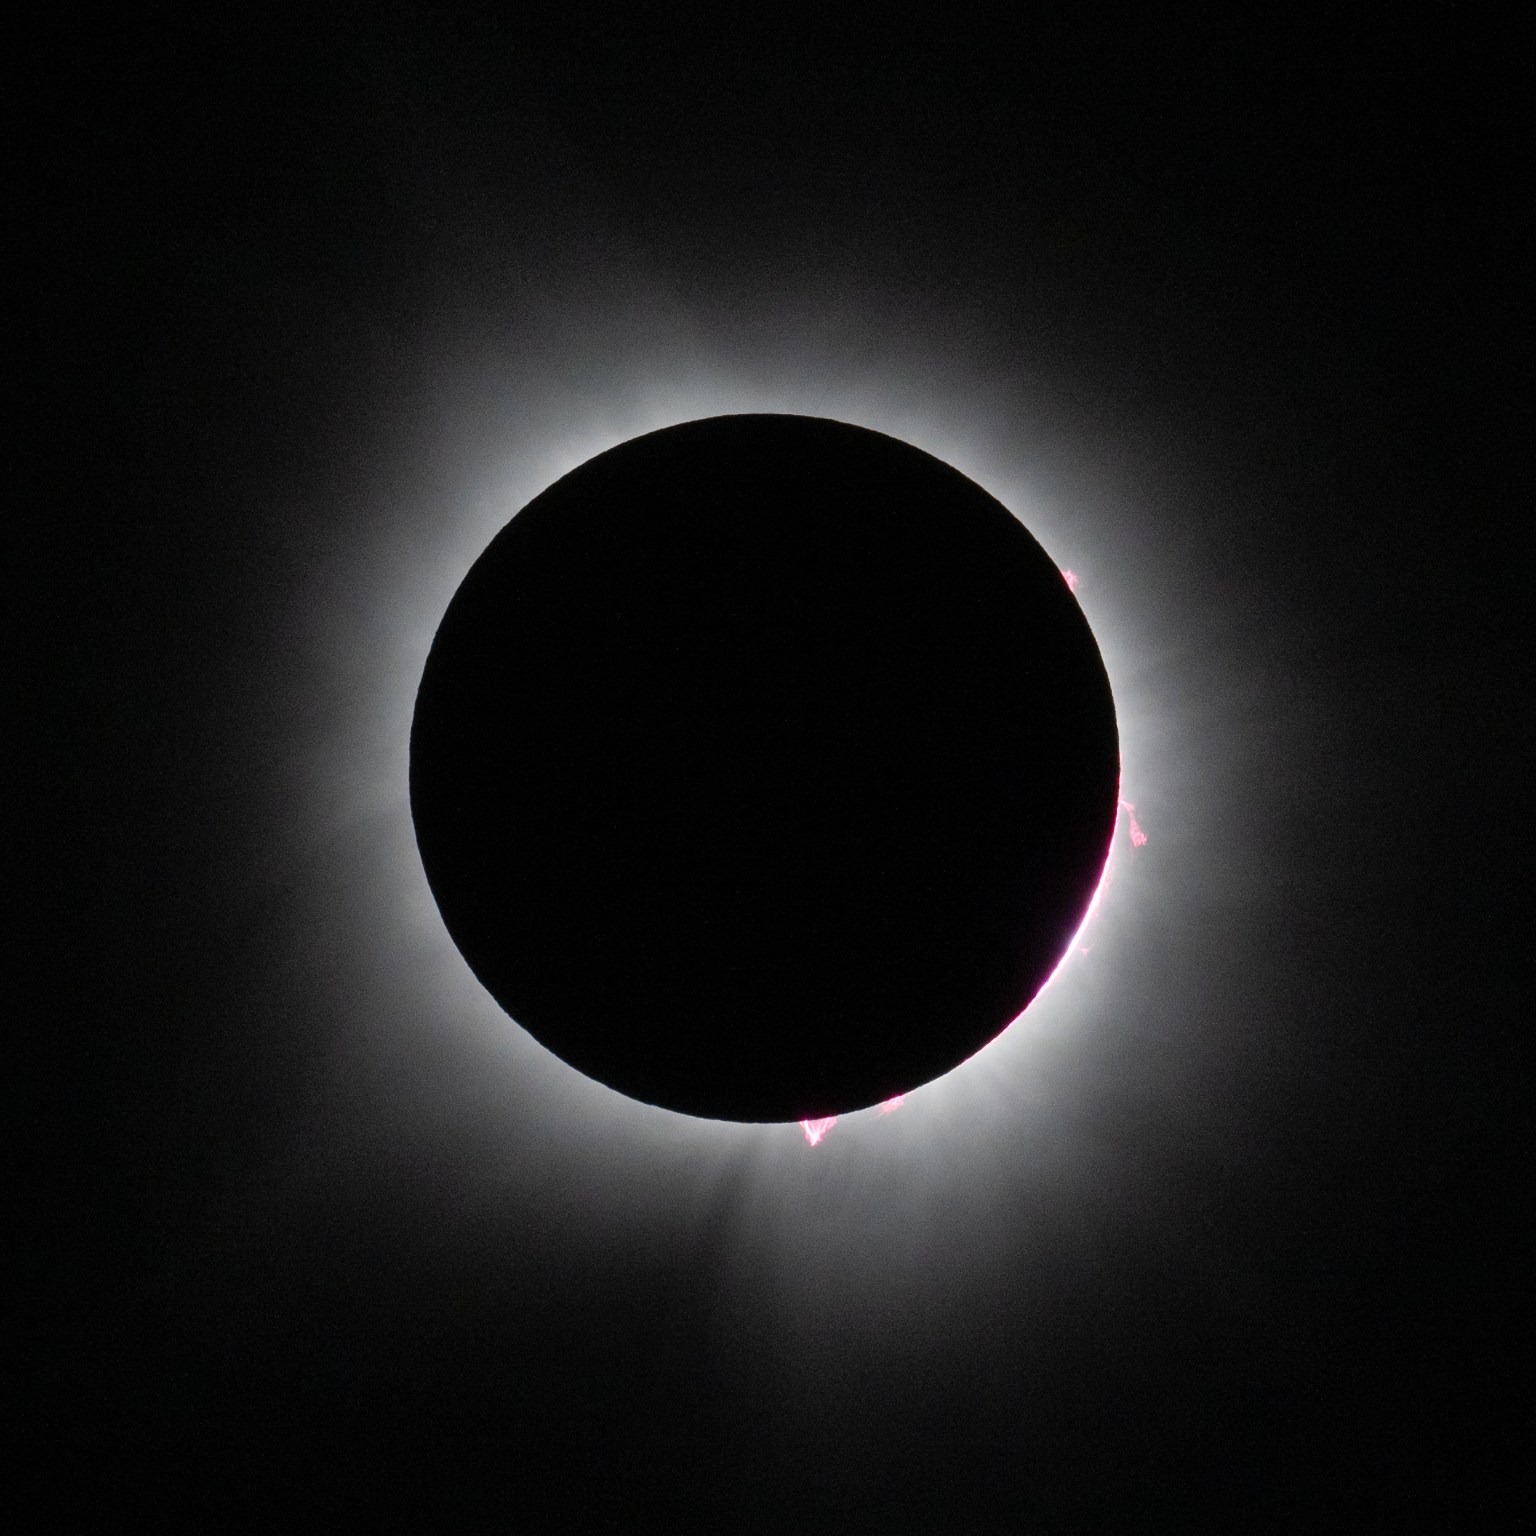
[(763, 768)]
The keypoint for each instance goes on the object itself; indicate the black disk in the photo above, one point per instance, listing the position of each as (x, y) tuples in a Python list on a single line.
[(763, 767)]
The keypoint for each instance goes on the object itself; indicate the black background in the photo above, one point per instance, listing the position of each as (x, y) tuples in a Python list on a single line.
[(1268, 281)]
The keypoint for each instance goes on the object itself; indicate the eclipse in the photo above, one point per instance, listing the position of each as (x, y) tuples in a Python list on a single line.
[(763, 767)]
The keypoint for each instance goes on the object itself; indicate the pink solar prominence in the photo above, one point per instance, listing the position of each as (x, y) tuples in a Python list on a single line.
[(1138, 837)]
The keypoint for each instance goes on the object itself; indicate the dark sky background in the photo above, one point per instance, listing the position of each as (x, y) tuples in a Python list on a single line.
[(1230, 1236)]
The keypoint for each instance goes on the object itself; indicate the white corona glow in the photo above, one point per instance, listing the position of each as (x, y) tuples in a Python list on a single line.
[(402, 984)]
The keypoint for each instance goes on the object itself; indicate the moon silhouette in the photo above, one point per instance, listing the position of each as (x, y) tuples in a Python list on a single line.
[(763, 767)]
